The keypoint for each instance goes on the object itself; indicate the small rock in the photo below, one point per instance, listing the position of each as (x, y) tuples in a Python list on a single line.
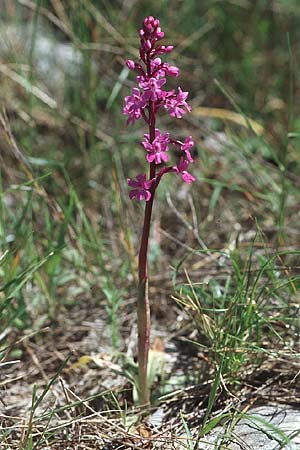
[(262, 428)]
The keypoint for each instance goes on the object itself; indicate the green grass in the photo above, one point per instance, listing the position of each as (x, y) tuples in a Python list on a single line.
[(69, 234)]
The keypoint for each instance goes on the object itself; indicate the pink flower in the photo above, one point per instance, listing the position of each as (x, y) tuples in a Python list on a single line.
[(157, 68), (181, 168), (152, 88), (186, 146), (174, 105), (158, 148), (133, 105), (141, 187), (171, 71)]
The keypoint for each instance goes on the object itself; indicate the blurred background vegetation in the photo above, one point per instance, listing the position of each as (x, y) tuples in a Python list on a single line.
[(224, 259), (68, 233)]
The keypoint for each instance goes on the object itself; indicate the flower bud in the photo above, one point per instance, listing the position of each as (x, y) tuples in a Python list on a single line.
[(158, 33), (130, 64), (160, 49), (172, 71), (147, 45)]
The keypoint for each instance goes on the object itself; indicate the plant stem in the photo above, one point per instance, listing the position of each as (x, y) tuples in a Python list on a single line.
[(143, 309)]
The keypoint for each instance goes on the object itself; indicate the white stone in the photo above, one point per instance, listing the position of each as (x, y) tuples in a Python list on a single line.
[(262, 428)]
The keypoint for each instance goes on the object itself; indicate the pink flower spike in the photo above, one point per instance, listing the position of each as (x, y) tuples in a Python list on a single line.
[(146, 100), (186, 146), (141, 188), (182, 169)]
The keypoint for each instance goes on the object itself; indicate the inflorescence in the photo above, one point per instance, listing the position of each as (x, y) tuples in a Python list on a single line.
[(146, 100)]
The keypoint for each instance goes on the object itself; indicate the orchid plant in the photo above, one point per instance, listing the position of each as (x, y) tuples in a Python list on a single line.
[(144, 102)]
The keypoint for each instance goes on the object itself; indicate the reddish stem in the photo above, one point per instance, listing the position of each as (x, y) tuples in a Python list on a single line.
[(143, 308)]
